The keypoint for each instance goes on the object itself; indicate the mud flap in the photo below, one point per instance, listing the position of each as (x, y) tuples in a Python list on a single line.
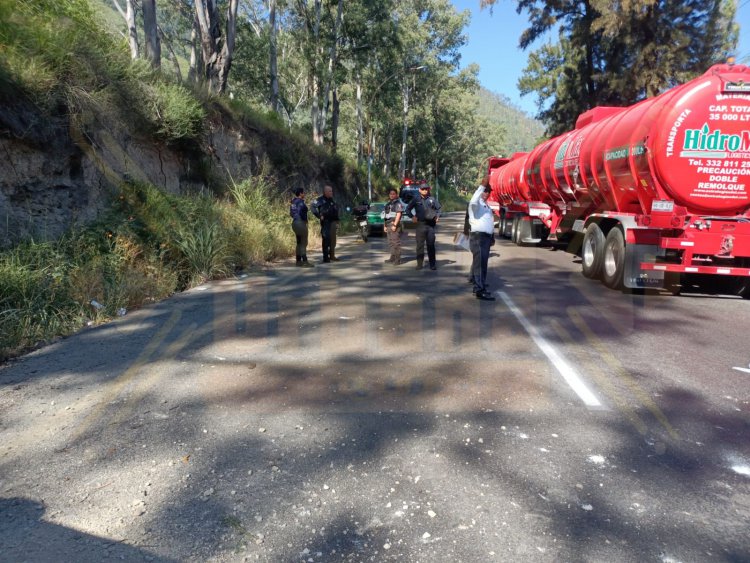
[(635, 277)]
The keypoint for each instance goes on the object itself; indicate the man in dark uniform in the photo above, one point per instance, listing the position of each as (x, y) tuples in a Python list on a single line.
[(392, 213), (426, 214), (325, 209)]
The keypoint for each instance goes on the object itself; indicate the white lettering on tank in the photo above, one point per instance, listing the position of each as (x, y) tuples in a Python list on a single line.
[(676, 127)]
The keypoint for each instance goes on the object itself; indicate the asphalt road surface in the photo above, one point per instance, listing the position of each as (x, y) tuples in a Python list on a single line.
[(363, 412)]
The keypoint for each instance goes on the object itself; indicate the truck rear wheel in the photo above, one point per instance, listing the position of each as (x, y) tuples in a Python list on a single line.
[(614, 259), (523, 231), (503, 225), (743, 288), (592, 252), (514, 230)]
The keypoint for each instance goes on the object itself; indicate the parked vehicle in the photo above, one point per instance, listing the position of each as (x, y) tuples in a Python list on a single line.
[(360, 219), (410, 189), (644, 193), (375, 218)]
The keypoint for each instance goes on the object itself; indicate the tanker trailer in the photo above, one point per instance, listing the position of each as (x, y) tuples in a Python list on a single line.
[(659, 187)]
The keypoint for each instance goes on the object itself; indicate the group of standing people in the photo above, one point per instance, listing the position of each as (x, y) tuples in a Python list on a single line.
[(423, 209), (325, 209)]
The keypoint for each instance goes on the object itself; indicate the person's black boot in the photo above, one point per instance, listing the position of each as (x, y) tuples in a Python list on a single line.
[(298, 263), (305, 263)]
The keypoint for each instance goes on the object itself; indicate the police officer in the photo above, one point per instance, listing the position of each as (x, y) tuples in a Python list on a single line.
[(325, 209), (393, 211), (426, 214), (298, 212)]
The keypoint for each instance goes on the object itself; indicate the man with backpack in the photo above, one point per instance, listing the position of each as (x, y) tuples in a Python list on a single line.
[(426, 214), (325, 209)]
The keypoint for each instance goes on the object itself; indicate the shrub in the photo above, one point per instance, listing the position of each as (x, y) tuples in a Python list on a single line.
[(177, 114)]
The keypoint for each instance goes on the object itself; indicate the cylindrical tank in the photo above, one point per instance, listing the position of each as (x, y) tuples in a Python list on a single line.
[(690, 145)]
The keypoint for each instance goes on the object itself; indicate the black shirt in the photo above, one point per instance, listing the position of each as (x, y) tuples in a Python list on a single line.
[(325, 209), (421, 205)]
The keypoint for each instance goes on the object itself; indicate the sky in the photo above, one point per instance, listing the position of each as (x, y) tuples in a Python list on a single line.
[(493, 45)]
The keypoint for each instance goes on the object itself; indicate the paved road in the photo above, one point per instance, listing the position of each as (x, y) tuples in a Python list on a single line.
[(363, 412)]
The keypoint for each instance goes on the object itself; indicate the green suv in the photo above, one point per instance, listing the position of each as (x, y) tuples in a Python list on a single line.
[(375, 220)]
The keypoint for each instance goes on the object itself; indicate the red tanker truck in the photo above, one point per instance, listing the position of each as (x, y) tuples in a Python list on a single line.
[(641, 192)]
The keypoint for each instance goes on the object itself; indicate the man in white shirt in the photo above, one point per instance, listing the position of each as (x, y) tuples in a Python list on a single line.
[(482, 237)]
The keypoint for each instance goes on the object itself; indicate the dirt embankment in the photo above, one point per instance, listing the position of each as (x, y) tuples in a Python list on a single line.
[(61, 170)]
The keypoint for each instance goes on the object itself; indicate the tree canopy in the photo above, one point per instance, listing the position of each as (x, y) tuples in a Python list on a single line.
[(616, 53)]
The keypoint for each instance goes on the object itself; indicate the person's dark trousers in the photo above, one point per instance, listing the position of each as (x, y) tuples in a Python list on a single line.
[(394, 243), (300, 232), (426, 234), (482, 242), (474, 248), (326, 233)]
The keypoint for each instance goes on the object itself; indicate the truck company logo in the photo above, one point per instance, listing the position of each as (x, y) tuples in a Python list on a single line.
[(704, 142), (560, 156), (740, 86)]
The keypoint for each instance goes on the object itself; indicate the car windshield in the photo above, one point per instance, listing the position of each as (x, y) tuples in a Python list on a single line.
[(376, 207)]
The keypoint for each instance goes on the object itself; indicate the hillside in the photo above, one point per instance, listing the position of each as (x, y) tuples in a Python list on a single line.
[(522, 131)]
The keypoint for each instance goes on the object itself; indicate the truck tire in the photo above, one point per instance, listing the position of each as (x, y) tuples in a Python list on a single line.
[(613, 270), (523, 231), (503, 225), (592, 252), (514, 230)]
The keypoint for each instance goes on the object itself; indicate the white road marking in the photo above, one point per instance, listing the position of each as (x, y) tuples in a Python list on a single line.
[(567, 371), (743, 370)]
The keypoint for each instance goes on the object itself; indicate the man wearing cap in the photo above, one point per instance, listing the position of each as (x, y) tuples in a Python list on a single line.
[(426, 214), (482, 237)]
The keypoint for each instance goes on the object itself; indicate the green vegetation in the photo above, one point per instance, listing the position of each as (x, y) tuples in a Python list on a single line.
[(617, 53), (151, 245)]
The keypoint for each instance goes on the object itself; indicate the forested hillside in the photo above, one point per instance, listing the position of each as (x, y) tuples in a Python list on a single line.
[(521, 131)]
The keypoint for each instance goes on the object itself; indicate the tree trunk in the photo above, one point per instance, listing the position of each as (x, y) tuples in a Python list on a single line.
[(314, 78), (387, 159), (315, 109), (171, 54), (335, 120), (273, 70), (360, 124), (193, 69), (216, 50), (151, 33), (129, 16), (332, 55), (405, 131)]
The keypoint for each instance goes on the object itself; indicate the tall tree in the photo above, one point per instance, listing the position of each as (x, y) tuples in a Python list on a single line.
[(151, 33), (129, 15), (217, 47), (618, 52), (273, 58)]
